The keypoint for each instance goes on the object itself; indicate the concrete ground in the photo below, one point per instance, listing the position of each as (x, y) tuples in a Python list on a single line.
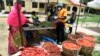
[(4, 34), (3, 37), (97, 29)]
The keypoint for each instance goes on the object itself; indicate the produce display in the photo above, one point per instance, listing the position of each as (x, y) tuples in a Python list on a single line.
[(79, 43), (45, 24), (34, 51), (87, 47), (41, 24), (51, 48), (90, 38), (70, 46), (85, 42)]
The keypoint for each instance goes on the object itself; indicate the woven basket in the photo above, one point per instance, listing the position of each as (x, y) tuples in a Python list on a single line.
[(81, 34), (68, 52), (86, 50), (73, 37)]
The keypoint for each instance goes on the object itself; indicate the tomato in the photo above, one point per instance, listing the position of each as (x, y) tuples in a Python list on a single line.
[(70, 46), (85, 42), (34, 51), (90, 38), (52, 48)]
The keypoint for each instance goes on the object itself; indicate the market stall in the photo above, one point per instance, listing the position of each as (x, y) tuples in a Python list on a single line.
[(75, 45)]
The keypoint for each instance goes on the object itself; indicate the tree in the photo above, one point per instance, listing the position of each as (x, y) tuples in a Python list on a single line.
[(1, 5), (85, 1)]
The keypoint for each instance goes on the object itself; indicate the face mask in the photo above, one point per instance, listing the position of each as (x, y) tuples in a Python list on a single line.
[(59, 8)]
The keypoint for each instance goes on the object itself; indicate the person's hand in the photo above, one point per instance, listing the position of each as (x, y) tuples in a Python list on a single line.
[(29, 22), (55, 17), (63, 17)]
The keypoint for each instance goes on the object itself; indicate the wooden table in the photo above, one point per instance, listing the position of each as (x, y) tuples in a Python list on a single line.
[(37, 28)]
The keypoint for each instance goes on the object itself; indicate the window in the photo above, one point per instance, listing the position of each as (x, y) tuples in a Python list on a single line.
[(68, 8), (34, 5), (42, 5), (9, 2), (64, 5), (23, 3), (1, 4), (82, 10)]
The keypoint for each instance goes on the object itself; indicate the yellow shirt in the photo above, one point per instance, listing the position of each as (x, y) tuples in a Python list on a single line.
[(61, 13)]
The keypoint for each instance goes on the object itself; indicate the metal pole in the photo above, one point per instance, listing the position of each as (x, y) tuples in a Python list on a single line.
[(20, 25), (78, 17), (9, 5)]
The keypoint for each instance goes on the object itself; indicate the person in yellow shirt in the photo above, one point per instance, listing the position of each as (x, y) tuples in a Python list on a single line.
[(60, 25)]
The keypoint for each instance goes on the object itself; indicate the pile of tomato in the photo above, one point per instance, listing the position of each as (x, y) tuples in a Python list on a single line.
[(90, 38), (34, 51), (85, 42), (71, 46), (52, 49)]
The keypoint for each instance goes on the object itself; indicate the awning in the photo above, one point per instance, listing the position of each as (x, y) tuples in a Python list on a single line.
[(76, 2)]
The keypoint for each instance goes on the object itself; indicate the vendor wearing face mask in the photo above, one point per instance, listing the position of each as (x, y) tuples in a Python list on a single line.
[(62, 13), (60, 25)]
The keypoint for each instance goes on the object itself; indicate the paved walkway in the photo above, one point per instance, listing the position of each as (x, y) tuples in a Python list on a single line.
[(96, 29), (87, 31)]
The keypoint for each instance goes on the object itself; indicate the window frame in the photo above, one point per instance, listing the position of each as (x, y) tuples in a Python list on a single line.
[(68, 8), (23, 4), (35, 6), (42, 5), (9, 2)]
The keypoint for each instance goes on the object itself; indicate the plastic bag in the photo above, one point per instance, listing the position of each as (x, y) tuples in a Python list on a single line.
[(48, 39)]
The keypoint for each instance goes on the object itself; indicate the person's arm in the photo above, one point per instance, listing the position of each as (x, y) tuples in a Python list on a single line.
[(63, 17), (64, 14), (73, 16), (29, 22)]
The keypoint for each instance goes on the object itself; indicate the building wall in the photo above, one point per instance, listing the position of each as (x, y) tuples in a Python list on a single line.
[(7, 8), (28, 6)]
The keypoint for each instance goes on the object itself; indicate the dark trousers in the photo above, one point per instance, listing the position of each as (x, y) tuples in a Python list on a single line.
[(60, 32), (28, 36), (71, 22), (70, 29)]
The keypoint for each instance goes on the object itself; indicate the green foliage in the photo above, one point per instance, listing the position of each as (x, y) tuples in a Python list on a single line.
[(90, 18), (96, 53), (45, 24), (98, 40)]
